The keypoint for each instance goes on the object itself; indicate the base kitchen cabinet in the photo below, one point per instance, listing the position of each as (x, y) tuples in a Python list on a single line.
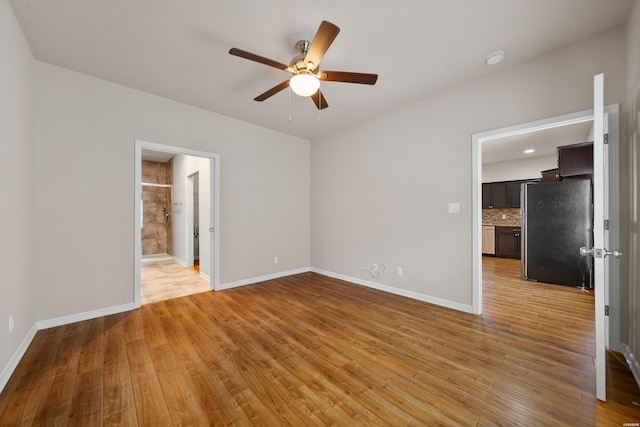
[(488, 240), (508, 242)]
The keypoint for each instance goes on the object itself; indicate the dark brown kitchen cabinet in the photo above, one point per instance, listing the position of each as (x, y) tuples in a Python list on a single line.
[(550, 175), (508, 242), (500, 195), (575, 159), (513, 194), (486, 195), (494, 195)]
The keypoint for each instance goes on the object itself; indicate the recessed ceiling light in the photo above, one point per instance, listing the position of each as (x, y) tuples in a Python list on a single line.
[(529, 151), (495, 57)]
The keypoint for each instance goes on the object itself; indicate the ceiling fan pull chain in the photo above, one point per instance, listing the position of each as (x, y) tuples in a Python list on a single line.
[(289, 104)]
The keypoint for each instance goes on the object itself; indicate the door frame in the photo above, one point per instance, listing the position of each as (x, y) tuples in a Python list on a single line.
[(613, 114), (190, 250), (214, 209)]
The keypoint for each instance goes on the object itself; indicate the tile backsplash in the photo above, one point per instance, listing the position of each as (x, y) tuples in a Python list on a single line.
[(494, 217)]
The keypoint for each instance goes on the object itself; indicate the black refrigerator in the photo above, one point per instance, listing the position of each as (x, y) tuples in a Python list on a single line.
[(557, 219)]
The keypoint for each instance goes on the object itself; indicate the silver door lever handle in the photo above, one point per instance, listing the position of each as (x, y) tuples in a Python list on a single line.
[(600, 253), (614, 253)]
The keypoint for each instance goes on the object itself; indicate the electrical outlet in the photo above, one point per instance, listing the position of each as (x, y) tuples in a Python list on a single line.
[(275, 259), (11, 323), (399, 271)]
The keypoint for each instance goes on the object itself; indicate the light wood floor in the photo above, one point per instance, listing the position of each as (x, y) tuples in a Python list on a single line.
[(166, 279), (311, 350)]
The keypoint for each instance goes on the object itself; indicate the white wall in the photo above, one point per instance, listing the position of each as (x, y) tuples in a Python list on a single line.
[(85, 132), (380, 190), (183, 166), (16, 186), (631, 317), (518, 169)]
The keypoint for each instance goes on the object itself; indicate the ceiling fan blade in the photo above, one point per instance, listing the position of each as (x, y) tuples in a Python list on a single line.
[(319, 100), (272, 91), (348, 77), (325, 35), (257, 58)]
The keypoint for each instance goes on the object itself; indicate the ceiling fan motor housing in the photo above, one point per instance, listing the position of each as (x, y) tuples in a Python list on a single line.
[(297, 63), (303, 46)]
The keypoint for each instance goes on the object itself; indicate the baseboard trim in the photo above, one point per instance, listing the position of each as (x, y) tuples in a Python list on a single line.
[(259, 279), (632, 362), (79, 317), (155, 258), (180, 261), (397, 291), (52, 323), (17, 356)]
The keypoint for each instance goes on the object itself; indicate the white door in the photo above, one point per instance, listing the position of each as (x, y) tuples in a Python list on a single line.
[(600, 243)]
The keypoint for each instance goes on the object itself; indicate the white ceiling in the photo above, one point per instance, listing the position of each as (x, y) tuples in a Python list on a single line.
[(156, 156), (544, 142), (179, 49)]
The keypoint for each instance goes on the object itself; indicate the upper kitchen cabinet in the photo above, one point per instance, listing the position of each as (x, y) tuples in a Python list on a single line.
[(486, 195), (550, 175), (513, 194), (500, 195), (494, 195), (575, 160)]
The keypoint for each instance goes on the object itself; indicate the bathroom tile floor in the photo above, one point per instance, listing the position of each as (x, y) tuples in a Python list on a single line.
[(166, 279)]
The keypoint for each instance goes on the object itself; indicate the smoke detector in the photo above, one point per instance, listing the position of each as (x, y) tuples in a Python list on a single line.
[(495, 57)]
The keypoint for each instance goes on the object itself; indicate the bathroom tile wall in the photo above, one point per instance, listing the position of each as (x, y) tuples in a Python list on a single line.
[(155, 172), (157, 228)]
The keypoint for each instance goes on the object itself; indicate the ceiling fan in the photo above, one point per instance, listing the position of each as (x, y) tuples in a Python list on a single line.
[(305, 67)]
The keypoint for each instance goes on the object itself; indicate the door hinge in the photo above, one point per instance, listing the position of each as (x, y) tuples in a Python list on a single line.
[(606, 224), (606, 310), (606, 138)]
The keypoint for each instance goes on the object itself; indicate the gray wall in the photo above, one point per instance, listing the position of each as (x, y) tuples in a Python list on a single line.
[(86, 127), (380, 190), (16, 187)]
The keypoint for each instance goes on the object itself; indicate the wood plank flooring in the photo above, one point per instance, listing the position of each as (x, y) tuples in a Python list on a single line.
[(311, 350)]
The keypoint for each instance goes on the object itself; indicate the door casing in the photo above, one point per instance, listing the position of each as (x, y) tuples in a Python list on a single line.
[(612, 196), (214, 209)]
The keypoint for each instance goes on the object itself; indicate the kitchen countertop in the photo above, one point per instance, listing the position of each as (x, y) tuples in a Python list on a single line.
[(503, 223)]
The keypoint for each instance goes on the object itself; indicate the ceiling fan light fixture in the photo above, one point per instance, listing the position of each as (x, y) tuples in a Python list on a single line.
[(304, 84)]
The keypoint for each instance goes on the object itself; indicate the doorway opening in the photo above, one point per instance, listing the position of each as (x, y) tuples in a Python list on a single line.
[(193, 220), (612, 201), (165, 252)]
